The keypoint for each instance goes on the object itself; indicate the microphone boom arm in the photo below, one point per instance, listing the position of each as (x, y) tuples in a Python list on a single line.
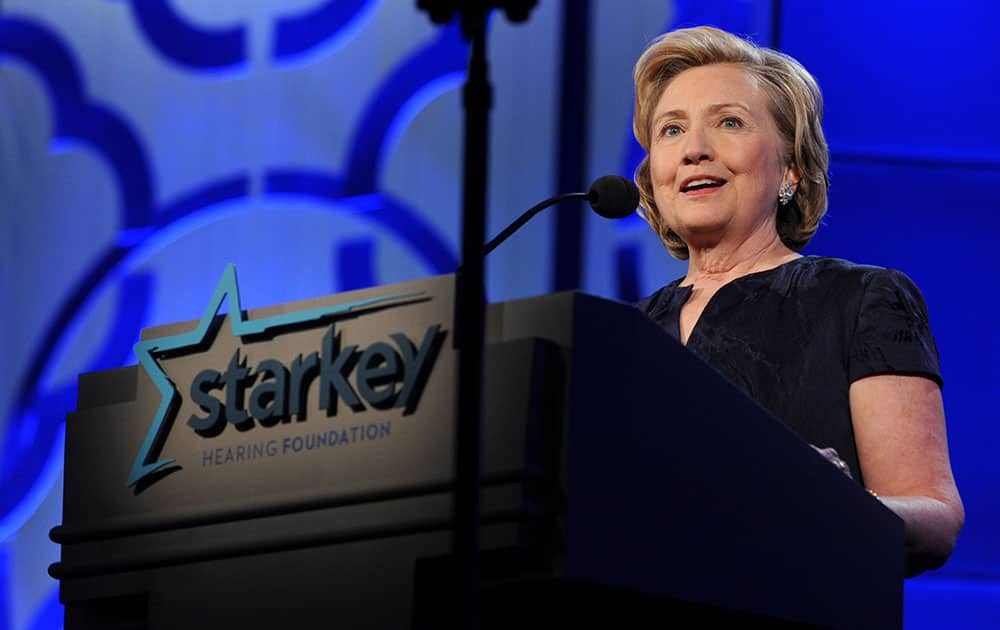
[(524, 218)]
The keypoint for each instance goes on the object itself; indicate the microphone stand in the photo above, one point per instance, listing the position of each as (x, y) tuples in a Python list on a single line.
[(477, 97)]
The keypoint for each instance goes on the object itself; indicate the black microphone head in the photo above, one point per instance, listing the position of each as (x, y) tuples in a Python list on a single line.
[(613, 196)]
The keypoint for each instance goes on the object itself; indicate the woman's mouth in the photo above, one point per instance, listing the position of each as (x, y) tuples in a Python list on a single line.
[(702, 186)]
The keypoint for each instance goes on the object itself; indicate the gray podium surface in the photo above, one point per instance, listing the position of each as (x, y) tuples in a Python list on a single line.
[(621, 477)]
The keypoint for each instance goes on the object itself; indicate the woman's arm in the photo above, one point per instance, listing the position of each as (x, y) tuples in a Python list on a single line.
[(903, 451)]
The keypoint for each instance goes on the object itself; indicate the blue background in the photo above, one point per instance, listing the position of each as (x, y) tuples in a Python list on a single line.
[(317, 144)]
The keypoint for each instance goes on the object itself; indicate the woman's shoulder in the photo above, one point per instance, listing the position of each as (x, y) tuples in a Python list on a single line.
[(857, 288), (837, 266), (826, 270)]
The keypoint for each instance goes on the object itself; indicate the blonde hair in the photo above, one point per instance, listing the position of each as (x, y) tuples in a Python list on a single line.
[(796, 105)]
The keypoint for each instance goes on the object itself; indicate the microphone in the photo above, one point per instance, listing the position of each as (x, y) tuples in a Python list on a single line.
[(611, 196)]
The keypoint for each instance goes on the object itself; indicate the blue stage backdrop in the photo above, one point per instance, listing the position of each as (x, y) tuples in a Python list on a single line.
[(317, 145)]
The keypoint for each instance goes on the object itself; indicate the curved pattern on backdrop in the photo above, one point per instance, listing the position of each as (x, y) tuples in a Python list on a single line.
[(299, 34), (185, 44), (202, 49), (77, 117), (444, 56)]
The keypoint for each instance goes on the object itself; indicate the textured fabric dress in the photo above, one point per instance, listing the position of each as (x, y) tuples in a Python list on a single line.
[(795, 337)]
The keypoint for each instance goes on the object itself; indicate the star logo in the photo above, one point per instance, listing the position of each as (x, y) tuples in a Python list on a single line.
[(146, 462)]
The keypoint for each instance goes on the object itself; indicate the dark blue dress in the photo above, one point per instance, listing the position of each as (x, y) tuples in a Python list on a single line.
[(795, 337)]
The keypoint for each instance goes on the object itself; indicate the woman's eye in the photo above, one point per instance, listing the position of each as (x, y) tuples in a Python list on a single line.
[(671, 130), (732, 123)]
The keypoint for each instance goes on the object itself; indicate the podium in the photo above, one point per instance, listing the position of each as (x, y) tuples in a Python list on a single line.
[(297, 471)]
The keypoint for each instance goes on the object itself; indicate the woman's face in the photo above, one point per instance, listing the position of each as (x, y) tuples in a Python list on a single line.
[(715, 156)]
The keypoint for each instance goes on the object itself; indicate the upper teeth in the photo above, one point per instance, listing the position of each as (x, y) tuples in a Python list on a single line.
[(701, 182)]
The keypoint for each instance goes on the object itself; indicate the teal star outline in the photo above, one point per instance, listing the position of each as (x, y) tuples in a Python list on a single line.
[(240, 326)]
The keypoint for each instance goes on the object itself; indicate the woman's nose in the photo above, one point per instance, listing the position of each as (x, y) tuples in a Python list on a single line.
[(697, 147)]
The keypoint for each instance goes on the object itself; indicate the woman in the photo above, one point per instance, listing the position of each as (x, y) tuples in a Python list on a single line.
[(735, 181)]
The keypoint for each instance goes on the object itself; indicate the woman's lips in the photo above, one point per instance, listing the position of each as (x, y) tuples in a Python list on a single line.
[(703, 191)]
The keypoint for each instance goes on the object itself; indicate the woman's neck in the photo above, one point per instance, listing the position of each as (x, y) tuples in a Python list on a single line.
[(723, 262)]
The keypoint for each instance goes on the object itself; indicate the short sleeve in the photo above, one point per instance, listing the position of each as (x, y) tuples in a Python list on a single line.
[(893, 334)]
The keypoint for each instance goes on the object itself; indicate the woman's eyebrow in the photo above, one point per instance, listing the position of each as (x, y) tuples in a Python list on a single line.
[(711, 109), (674, 113)]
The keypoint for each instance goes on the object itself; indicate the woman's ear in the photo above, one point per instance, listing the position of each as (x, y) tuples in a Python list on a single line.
[(792, 175)]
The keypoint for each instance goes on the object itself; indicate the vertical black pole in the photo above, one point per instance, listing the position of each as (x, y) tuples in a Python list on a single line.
[(470, 305), (478, 97)]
